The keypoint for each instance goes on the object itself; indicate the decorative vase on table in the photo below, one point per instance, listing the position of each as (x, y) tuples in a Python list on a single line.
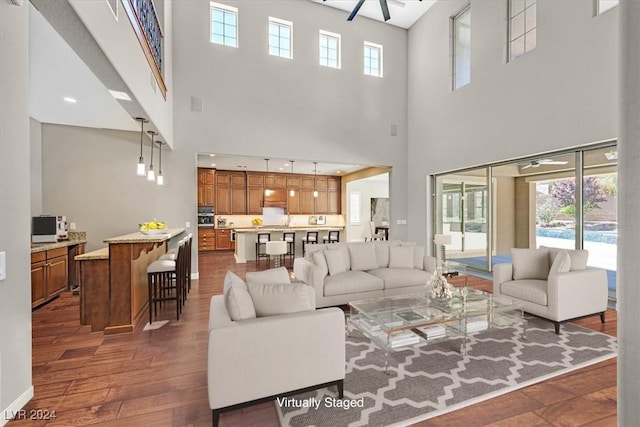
[(437, 285)]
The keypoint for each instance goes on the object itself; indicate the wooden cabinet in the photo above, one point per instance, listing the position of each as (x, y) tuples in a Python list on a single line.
[(231, 193), (49, 275), (239, 193), (223, 239), (254, 198), (223, 200), (206, 239), (206, 187)]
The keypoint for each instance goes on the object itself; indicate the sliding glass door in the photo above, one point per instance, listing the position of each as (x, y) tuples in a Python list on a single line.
[(564, 200)]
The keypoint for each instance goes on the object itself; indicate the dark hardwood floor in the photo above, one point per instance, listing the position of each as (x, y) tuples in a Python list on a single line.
[(158, 378)]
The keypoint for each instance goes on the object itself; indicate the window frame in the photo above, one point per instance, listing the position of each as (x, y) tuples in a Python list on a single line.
[(280, 22), (355, 209), (380, 49), (454, 69), (598, 6), (336, 36), (510, 19), (225, 9)]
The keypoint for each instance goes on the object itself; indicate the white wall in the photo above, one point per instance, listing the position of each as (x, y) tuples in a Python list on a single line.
[(561, 94), (15, 292), (256, 104), (89, 176), (35, 136)]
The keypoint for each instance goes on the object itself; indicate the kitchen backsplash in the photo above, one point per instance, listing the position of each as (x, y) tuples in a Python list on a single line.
[(242, 221)]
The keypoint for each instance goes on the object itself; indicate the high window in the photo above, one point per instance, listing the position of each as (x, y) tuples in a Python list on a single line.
[(329, 49), (603, 5), (462, 48), (224, 25), (280, 38), (522, 27), (372, 59)]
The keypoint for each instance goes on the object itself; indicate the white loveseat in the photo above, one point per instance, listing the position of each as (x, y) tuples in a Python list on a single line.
[(344, 272), (552, 283), (256, 354)]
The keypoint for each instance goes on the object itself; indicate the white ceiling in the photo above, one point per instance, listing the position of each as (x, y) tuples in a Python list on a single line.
[(242, 163), (56, 72), (404, 13)]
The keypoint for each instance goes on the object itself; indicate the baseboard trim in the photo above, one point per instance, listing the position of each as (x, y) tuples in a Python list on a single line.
[(13, 409)]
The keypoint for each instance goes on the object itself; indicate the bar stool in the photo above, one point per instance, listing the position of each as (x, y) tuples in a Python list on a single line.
[(310, 238), (261, 240), (172, 254), (166, 282), (277, 248), (290, 238), (332, 237)]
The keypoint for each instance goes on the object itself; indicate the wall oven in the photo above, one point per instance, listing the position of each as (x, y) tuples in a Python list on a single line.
[(206, 216)]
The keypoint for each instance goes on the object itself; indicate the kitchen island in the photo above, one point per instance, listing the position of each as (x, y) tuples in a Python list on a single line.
[(246, 238), (113, 292)]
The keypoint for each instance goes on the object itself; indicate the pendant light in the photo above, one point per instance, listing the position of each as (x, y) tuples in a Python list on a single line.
[(267, 192), (151, 174), (141, 167), (315, 174), (160, 178), (292, 192)]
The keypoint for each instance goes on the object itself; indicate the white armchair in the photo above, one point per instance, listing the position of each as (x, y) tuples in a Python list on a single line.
[(552, 283)]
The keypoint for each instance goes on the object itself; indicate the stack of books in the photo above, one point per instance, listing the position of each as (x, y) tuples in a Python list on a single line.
[(477, 324), (402, 339), (432, 332)]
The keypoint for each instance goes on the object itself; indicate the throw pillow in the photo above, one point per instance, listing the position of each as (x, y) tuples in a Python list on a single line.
[(401, 257), (335, 262), (320, 261), (312, 248), (237, 299), (418, 257), (578, 257), (382, 253), (363, 257), (561, 264), (274, 275), (278, 298), (530, 263), (344, 252)]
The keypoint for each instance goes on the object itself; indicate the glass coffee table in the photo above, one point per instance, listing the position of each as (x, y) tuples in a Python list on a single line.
[(401, 321)]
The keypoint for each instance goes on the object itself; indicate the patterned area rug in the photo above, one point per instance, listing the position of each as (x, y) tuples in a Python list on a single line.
[(435, 379)]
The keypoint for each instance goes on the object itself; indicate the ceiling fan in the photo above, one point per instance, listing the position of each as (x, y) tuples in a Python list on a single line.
[(538, 163), (383, 5)]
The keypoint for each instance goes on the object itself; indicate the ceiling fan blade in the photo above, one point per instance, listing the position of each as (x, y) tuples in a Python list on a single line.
[(555, 162), (385, 10), (355, 10)]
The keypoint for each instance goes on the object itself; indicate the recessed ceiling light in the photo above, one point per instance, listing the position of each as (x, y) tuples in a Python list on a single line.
[(280, 169), (286, 165), (70, 100), (338, 171), (212, 155), (123, 96), (213, 164)]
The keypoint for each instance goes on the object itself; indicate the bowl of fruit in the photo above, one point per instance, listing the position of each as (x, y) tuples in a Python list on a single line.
[(153, 227)]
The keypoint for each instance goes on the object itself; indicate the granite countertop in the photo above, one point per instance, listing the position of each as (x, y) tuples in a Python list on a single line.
[(138, 237), (75, 238), (94, 255), (283, 229)]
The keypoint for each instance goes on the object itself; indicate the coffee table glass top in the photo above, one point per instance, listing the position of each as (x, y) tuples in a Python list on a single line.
[(396, 313)]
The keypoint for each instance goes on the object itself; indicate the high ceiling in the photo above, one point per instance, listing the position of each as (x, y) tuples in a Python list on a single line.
[(404, 13)]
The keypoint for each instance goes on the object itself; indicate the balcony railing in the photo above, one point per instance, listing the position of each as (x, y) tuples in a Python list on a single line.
[(144, 19)]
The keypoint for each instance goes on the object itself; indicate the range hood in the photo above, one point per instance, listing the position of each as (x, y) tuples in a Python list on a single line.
[(277, 198)]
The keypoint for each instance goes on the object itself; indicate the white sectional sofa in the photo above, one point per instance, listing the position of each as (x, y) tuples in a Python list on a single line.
[(344, 272), (266, 339)]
